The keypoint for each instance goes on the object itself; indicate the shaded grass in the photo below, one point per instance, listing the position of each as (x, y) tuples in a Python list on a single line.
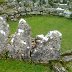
[(69, 66), (20, 66)]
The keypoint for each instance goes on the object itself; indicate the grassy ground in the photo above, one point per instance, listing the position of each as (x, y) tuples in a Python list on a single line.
[(40, 25), (20, 66)]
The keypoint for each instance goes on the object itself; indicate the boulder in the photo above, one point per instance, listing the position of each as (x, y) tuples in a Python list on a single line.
[(21, 42), (67, 58), (47, 47), (59, 68)]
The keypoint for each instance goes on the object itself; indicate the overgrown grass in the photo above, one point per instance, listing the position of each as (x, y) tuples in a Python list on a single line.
[(40, 25)]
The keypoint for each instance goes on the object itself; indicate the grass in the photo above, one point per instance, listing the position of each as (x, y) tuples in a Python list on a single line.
[(40, 25), (20, 66)]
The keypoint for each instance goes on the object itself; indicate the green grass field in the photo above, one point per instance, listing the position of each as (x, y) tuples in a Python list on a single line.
[(40, 25)]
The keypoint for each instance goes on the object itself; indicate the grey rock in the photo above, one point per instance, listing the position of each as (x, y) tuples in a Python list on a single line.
[(59, 68), (47, 47), (67, 14), (21, 41), (4, 33), (67, 58)]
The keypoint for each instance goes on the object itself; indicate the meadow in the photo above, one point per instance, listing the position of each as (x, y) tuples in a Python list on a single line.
[(40, 25)]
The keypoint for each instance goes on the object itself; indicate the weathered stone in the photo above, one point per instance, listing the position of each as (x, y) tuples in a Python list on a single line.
[(47, 47), (21, 9), (68, 14), (59, 68), (59, 11), (67, 58), (4, 16), (63, 6), (4, 33), (21, 41), (12, 3)]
